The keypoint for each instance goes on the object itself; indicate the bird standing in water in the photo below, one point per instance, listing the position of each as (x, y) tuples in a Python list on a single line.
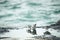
[(32, 29)]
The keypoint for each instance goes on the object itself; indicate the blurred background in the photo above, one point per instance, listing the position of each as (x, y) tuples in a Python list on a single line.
[(16, 14)]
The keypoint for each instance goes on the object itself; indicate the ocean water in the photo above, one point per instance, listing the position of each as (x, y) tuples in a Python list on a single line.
[(24, 12)]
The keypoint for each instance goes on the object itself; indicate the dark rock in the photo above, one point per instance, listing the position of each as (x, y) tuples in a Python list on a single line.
[(47, 32), (4, 37)]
